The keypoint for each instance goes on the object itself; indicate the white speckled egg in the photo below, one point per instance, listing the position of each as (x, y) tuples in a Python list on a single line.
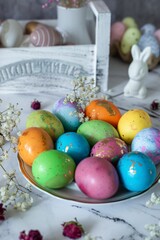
[(45, 36), (149, 40), (11, 33)]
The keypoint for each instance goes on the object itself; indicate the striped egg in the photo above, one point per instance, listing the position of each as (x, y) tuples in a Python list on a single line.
[(45, 36)]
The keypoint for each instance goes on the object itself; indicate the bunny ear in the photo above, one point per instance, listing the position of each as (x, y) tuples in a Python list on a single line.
[(135, 51), (145, 54)]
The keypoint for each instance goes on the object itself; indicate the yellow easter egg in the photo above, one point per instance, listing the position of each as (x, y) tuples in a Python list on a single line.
[(132, 122), (129, 22)]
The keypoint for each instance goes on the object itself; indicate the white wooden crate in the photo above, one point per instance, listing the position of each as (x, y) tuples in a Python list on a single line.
[(50, 69)]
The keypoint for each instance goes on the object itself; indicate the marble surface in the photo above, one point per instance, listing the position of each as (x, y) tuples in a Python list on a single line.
[(117, 221)]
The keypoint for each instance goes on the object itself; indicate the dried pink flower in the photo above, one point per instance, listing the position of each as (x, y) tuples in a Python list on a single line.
[(72, 229), (32, 235), (36, 104), (2, 210)]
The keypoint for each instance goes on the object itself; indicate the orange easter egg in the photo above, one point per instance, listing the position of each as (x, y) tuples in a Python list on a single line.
[(32, 142), (101, 109)]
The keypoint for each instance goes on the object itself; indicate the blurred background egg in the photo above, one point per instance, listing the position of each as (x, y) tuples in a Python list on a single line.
[(68, 113), (53, 169), (11, 33), (117, 31), (45, 36), (32, 142), (130, 37), (96, 130), (47, 121), (74, 145), (148, 142), (148, 28), (30, 27), (97, 178), (132, 122), (101, 109), (109, 148), (157, 35), (129, 22), (136, 170)]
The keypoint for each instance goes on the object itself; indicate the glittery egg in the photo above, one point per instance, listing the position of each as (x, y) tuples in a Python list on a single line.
[(105, 110), (53, 169), (148, 142), (45, 36), (129, 22), (117, 31), (130, 37), (96, 130), (149, 40), (97, 178), (132, 122), (11, 33), (110, 148), (148, 28), (68, 113), (136, 170), (74, 145), (157, 35)]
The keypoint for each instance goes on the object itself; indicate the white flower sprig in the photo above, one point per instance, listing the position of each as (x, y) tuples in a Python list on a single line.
[(11, 193), (84, 90)]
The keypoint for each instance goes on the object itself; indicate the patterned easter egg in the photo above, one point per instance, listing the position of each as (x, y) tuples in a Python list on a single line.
[(74, 144), (148, 28), (11, 33), (137, 171), (45, 36), (129, 22), (96, 130), (148, 142), (130, 37), (117, 31), (110, 148), (149, 40), (68, 113)]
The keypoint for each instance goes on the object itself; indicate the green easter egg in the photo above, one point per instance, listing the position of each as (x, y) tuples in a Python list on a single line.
[(53, 169), (46, 120), (129, 22), (96, 130), (130, 37)]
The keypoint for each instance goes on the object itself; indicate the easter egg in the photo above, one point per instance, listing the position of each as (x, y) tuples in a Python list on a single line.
[(96, 130), (97, 178), (11, 33), (148, 142), (130, 37), (104, 110), (109, 148), (53, 169), (45, 36), (149, 40), (32, 142), (68, 113), (136, 170), (30, 27), (129, 22), (117, 31), (132, 122), (46, 120), (74, 145), (157, 34), (148, 28)]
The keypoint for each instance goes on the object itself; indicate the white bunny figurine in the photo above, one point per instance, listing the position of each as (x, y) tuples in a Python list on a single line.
[(137, 72)]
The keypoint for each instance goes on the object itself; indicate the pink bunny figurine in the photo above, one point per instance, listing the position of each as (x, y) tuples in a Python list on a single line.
[(137, 71)]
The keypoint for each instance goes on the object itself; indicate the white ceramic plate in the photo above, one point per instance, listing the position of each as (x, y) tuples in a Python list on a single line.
[(72, 192)]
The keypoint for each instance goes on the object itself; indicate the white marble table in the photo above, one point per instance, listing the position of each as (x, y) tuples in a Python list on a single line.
[(118, 221)]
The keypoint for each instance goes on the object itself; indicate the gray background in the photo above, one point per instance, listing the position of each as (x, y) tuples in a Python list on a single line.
[(144, 11)]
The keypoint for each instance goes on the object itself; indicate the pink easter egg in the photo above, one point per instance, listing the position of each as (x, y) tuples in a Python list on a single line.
[(45, 36), (97, 178), (157, 34), (110, 148), (117, 31)]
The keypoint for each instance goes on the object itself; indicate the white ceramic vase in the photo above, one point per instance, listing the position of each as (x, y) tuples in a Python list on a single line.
[(72, 23)]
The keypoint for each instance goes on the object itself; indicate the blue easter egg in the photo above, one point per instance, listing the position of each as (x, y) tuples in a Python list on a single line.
[(148, 142), (137, 171), (148, 28), (74, 144), (151, 41), (68, 114)]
